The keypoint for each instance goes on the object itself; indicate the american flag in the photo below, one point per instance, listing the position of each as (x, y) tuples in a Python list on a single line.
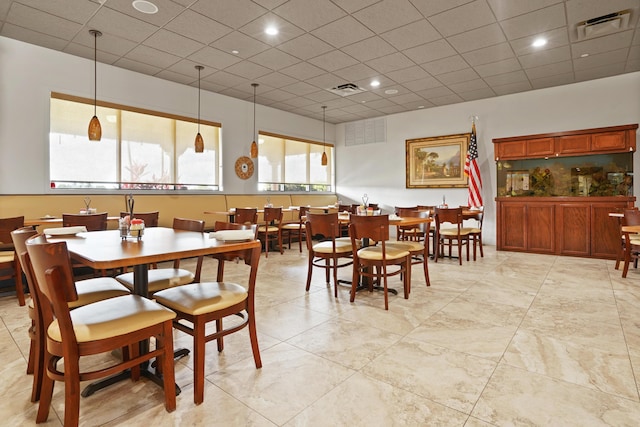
[(472, 170)]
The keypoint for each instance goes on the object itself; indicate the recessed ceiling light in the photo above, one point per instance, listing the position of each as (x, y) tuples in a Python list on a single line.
[(271, 30), (375, 83), (539, 42), (391, 91), (145, 6), (420, 107), (584, 55), (235, 52)]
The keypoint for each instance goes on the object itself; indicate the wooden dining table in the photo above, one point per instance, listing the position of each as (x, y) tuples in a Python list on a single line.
[(106, 250), (51, 222)]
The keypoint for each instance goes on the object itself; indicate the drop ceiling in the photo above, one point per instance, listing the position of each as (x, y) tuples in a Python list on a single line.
[(424, 53)]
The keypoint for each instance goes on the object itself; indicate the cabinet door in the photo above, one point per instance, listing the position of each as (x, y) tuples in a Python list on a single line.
[(574, 229), (573, 144), (606, 233), (541, 147), (512, 227), (541, 231), (511, 150), (608, 141)]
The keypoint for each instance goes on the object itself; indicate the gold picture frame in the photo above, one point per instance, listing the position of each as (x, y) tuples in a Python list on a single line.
[(437, 161)]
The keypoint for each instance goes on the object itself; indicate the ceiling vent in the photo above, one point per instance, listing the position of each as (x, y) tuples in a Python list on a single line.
[(346, 89), (603, 25)]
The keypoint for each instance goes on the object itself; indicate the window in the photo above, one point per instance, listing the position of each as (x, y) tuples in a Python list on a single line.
[(292, 164), (139, 149)]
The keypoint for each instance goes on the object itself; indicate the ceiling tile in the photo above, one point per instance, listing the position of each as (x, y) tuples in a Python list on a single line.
[(356, 72), (458, 76), (544, 57), (557, 80), (324, 81), (112, 22), (214, 58), (188, 68), (380, 103), (435, 92), (224, 78), (299, 102), (234, 14), (600, 72), (632, 65), (433, 7), (478, 38), (395, 61), (354, 5), (322, 96), (41, 22), (302, 71), (309, 14), (489, 54), (277, 95), (535, 22), (300, 88), (408, 74), (387, 15), (33, 37), (198, 27), (506, 78), (602, 44), (422, 84), (73, 10), (498, 67), (365, 97), (151, 56), (555, 38), (468, 85), (275, 59), (106, 43), (245, 45), (550, 70), (136, 66), (405, 99), (306, 46), (270, 4), (166, 11), (463, 18), (175, 77), (87, 52), (446, 100), (445, 65), (333, 60), (429, 51), (365, 50), (248, 69), (512, 88), (472, 95), (508, 9), (276, 80), (591, 61), (173, 43), (410, 35), (343, 32), (393, 109)]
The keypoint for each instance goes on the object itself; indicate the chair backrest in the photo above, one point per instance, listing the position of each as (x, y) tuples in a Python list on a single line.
[(431, 209), (324, 224), (631, 217), (188, 224), (19, 238), (150, 218), (402, 211), (374, 227), (273, 214), (93, 222), (53, 275), (452, 216), (7, 225), (302, 213), (346, 208), (246, 216)]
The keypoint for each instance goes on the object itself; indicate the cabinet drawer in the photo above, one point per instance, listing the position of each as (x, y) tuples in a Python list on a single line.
[(609, 141), (573, 144)]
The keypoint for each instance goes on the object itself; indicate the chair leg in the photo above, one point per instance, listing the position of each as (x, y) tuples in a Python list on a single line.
[(335, 277), (71, 392), (220, 340), (46, 392), (18, 279), (253, 336), (280, 242), (309, 271), (38, 364), (168, 370), (386, 289), (198, 360), (355, 278)]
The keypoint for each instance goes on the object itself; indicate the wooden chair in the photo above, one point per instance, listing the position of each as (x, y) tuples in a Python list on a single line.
[(89, 291), (475, 232), (297, 229), (379, 257), (246, 216), (621, 222), (329, 250), (408, 232), (9, 262), (201, 303), (271, 226), (93, 222), (419, 250), (162, 278), (100, 327), (454, 233), (150, 218), (631, 241)]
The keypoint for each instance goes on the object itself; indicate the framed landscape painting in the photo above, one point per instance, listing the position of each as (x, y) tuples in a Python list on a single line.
[(437, 161)]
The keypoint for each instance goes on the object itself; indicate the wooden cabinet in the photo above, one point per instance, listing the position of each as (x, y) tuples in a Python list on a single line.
[(615, 139), (575, 226)]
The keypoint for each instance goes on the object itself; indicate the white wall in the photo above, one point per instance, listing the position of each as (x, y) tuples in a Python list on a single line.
[(379, 169), (28, 74)]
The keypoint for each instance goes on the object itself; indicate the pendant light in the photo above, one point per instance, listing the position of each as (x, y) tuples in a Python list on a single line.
[(199, 141), (324, 142), (95, 130), (254, 145)]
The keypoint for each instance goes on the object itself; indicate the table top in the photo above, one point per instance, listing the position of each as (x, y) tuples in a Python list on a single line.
[(229, 213), (631, 228), (344, 218), (105, 249), (54, 221)]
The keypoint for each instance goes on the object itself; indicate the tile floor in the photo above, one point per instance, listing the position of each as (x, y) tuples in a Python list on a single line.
[(511, 339)]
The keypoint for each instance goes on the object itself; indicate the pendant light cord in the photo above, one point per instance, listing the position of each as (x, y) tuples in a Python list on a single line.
[(254, 109), (199, 70), (324, 139), (95, 73)]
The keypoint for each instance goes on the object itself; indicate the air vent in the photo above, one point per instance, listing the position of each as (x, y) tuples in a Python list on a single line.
[(604, 25), (346, 89)]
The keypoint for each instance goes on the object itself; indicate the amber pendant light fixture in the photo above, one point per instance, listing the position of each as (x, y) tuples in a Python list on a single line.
[(324, 141), (254, 145), (199, 141), (95, 130)]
